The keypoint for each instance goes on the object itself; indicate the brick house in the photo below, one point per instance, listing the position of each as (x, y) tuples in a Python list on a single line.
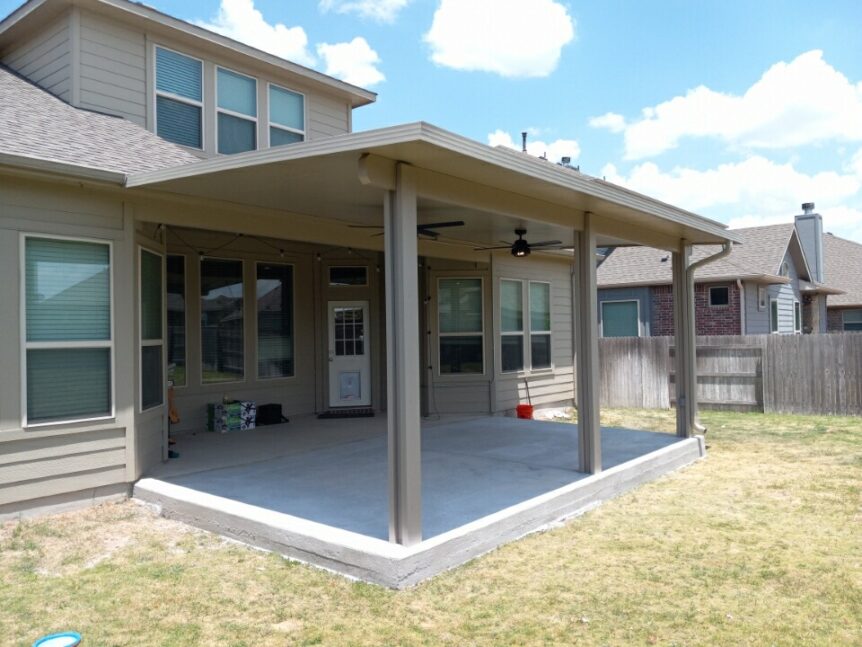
[(771, 283)]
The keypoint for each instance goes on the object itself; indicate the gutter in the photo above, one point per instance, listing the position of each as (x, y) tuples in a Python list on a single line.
[(77, 171), (726, 248)]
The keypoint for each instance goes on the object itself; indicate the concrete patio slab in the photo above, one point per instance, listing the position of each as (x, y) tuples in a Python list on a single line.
[(322, 497)]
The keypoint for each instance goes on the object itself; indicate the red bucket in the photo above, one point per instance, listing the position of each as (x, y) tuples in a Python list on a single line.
[(525, 411)]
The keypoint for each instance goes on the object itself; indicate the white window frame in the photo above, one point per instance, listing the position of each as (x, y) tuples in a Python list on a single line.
[(528, 321), (151, 342), (257, 374), (481, 333), (638, 315), (718, 305), (28, 345), (512, 333), (777, 317), (199, 296), (185, 318), (274, 124), (238, 115), (175, 97), (797, 310), (329, 283)]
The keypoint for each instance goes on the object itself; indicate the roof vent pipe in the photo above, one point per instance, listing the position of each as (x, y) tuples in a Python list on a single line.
[(807, 208), (524, 141)]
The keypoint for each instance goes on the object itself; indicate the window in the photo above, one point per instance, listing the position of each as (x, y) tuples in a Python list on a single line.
[(761, 297), (286, 116), (773, 315), (511, 325), (344, 277), (460, 326), (176, 302), (785, 269), (620, 319), (68, 330), (274, 320), (852, 320), (797, 317), (152, 342), (179, 98), (719, 296), (540, 325), (222, 357), (236, 112)]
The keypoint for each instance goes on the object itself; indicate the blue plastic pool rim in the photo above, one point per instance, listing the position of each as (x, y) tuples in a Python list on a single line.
[(63, 634)]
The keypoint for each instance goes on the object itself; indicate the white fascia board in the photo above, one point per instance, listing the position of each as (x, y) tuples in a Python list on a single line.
[(764, 279), (420, 132), (42, 165)]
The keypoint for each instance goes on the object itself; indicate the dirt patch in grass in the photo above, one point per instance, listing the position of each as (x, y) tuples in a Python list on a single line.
[(760, 544)]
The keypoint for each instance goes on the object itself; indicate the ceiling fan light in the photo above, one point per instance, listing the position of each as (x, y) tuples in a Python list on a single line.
[(520, 249)]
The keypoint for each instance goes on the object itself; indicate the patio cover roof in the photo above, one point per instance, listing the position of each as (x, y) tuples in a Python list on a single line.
[(342, 179)]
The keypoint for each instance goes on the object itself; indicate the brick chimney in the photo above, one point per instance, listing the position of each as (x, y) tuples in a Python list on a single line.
[(809, 228)]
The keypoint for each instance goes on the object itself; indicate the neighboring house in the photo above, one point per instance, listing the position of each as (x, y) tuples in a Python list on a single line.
[(176, 206), (773, 282), (843, 266)]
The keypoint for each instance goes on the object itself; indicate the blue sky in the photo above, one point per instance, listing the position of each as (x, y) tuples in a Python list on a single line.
[(736, 110)]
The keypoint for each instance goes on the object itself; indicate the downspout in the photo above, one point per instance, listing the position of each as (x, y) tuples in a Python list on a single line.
[(726, 248), (741, 286)]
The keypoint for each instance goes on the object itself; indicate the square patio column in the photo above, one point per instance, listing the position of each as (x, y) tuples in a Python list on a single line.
[(402, 360), (587, 348), (685, 342)]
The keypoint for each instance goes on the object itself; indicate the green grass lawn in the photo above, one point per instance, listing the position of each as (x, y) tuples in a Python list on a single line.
[(760, 544)]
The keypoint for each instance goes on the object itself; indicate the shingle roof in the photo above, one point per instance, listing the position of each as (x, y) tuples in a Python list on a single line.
[(35, 123), (843, 269), (761, 253)]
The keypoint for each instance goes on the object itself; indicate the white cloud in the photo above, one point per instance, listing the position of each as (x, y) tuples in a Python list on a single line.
[(755, 191), (512, 38), (238, 19), (379, 10), (554, 150), (802, 102), (354, 62), (611, 121)]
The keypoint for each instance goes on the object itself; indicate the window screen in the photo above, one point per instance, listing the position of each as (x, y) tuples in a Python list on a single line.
[(620, 319), (179, 92), (511, 325), (460, 324), (540, 325), (237, 112), (286, 116)]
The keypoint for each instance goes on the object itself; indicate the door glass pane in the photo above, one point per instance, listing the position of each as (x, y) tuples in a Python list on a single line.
[(237, 93), (349, 331), (178, 122), (235, 135), (221, 320), (275, 354), (620, 319), (461, 354), (540, 351), (460, 305), (286, 108), (151, 377), (68, 290), (68, 383), (151, 295), (512, 352), (176, 289), (540, 307), (511, 306)]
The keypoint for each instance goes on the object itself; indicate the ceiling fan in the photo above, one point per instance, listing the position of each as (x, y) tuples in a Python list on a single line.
[(426, 230), (521, 248)]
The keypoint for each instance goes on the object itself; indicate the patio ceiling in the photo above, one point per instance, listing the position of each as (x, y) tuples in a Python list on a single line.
[(340, 181)]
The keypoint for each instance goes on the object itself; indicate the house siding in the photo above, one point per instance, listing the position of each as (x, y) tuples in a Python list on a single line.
[(641, 295), (786, 295), (46, 59), (756, 318)]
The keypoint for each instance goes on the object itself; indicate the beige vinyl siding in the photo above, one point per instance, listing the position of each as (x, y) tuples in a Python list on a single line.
[(46, 59), (113, 68), (547, 386), (327, 116)]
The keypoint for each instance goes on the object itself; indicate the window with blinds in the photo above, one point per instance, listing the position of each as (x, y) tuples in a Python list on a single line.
[(179, 98), (286, 116), (68, 330), (460, 326), (540, 325), (236, 112), (152, 339), (511, 325)]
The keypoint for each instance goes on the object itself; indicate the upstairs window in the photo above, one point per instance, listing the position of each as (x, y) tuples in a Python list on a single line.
[(236, 112), (286, 116), (179, 98)]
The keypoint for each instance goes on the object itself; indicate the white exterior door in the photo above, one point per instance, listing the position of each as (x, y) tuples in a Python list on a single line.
[(349, 354)]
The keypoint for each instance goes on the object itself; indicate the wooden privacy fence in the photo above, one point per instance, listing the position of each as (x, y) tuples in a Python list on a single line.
[(820, 374)]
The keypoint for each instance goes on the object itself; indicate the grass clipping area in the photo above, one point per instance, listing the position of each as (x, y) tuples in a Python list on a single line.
[(760, 544)]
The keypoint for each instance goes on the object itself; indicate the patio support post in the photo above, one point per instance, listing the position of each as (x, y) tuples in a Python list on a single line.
[(685, 342), (587, 359), (402, 360)]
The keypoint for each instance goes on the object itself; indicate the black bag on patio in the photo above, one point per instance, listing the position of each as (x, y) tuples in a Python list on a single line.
[(270, 414)]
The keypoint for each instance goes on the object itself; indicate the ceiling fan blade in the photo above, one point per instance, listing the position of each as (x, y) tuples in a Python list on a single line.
[(365, 226), (427, 233), (485, 249), (441, 225), (545, 243)]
